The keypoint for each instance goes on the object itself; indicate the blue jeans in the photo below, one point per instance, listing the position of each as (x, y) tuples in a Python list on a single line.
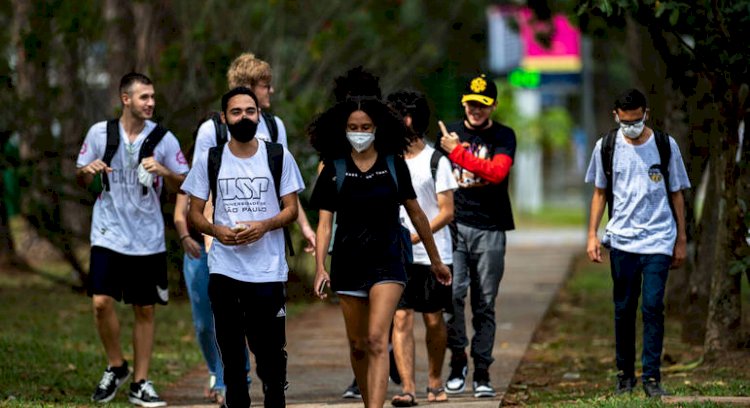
[(196, 280), (631, 275), (478, 264)]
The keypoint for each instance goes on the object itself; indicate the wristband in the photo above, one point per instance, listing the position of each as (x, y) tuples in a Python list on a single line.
[(182, 238)]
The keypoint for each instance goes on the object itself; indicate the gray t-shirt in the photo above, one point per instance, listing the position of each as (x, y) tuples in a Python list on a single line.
[(641, 222)]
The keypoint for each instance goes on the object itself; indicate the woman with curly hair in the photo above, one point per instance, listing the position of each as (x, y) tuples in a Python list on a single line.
[(364, 180)]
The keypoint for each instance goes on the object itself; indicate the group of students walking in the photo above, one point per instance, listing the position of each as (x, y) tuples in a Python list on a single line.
[(409, 228)]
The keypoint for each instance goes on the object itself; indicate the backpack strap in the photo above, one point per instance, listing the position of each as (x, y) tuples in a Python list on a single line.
[(213, 167), (665, 156), (149, 145), (392, 168), (340, 165), (273, 129), (608, 152), (275, 152), (434, 162), (221, 129), (113, 142)]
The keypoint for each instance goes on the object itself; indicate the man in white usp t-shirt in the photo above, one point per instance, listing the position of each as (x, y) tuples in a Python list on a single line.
[(423, 292), (128, 254), (251, 72), (247, 264)]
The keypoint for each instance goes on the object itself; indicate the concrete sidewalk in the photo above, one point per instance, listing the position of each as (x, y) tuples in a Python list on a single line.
[(537, 263)]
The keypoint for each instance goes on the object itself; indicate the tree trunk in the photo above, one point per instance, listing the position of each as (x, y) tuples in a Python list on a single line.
[(120, 45), (647, 48), (7, 249), (704, 227), (74, 217), (725, 307)]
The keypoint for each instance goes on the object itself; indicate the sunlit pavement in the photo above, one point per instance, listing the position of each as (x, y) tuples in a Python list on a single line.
[(537, 262)]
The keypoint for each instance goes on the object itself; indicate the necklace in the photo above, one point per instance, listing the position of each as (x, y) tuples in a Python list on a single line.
[(132, 155)]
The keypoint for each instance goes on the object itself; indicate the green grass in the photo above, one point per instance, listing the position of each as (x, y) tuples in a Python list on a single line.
[(52, 354), (577, 338), (552, 217)]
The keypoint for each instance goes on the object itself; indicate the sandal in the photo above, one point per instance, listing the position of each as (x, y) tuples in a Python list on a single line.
[(405, 399), (436, 394)]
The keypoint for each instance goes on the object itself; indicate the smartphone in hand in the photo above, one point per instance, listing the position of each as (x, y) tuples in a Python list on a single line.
[(322, 286)]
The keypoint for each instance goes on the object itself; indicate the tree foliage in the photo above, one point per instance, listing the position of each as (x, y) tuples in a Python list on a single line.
[(63, 59), (702, 46)]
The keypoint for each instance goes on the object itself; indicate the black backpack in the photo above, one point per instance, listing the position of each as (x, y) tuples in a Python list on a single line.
[(275, 154), (608, 153), (221, 128), (113, 142), (434, 162)]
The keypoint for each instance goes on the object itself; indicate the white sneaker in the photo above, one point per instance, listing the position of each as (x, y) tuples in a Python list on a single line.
[(483, 389), (143, 394), (456, 383)]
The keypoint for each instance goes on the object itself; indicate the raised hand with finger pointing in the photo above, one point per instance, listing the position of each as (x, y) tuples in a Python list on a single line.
[(448, 140)]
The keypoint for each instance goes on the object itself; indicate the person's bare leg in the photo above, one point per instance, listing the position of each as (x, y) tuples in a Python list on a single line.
[(403, 348), (356, 320), (143, 340), (108, 327), (383, 300), (436, 338)]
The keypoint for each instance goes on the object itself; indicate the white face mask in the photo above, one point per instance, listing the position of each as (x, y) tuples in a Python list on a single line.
[(360, 141), (632, 130)]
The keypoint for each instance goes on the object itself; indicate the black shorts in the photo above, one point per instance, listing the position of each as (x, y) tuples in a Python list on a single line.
[(424, 293), (135, 279)]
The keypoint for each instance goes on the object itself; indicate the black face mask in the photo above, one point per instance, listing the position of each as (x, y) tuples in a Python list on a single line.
[(243, 131)]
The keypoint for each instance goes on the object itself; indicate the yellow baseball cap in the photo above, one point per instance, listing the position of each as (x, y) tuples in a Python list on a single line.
[(480, 89)]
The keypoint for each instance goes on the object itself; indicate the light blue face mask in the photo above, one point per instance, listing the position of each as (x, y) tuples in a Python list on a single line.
[(360, 141), (632, 130)]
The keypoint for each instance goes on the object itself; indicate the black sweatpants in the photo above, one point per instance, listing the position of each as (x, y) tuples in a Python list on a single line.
[(251, 312)]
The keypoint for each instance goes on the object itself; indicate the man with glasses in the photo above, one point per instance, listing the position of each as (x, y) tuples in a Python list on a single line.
[(481, 151), (645, 233)]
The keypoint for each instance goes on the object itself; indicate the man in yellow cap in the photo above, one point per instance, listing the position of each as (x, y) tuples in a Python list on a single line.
[(481, 152)]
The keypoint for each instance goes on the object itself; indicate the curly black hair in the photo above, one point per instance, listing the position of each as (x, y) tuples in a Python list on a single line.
[(356, 82), (327, 132), (413, 104)]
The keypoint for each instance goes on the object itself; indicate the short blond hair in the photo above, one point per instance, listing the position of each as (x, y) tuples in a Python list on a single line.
[(246, 70)]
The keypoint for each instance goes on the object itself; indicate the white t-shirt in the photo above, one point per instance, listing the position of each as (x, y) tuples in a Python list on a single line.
[(206, 137), (245, 192), (642, 222), (427, 189), (125, 220)]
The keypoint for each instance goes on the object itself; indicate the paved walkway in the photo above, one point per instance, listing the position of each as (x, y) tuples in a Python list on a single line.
[(537, 263)]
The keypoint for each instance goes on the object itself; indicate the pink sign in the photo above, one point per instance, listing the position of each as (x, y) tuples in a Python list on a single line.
[(564, 53)]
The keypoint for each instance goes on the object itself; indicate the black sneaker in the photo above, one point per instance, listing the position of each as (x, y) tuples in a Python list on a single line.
[(274, 396), (483, 389), (352, 391), (653, 389), (456, 383), (481, 384), (143, 394), (112, 379), (625, 384)]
